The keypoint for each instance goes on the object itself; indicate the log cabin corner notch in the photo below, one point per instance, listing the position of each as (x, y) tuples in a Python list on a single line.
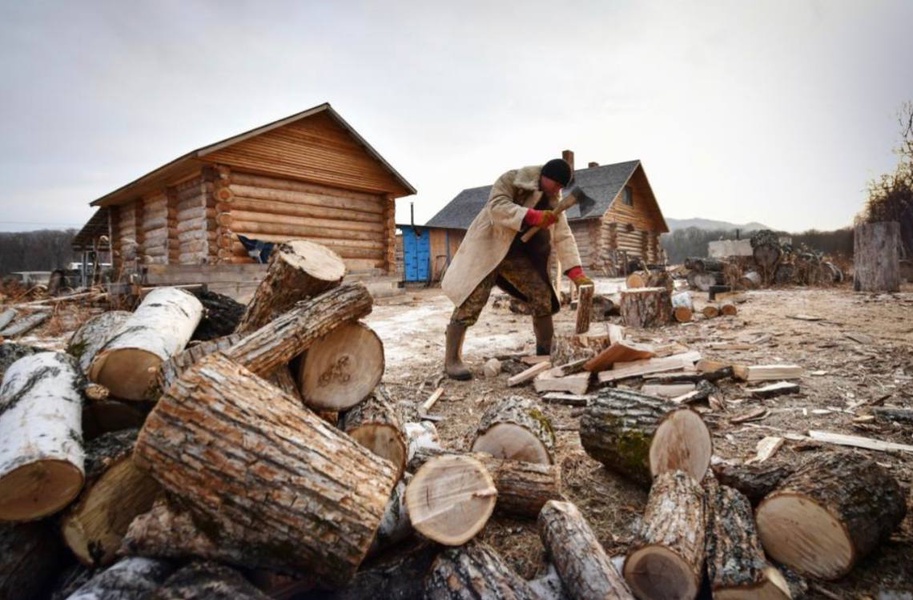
[(308, 176), (625, 224)]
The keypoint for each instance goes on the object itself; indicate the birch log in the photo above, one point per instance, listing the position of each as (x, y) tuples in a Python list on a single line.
[(157, 330), (264, 474), (92, 335), (298, 270), (41, 455), (581, 561)]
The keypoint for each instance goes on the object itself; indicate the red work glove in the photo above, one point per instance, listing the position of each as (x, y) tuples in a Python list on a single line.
[(577, 275), (542, 219)]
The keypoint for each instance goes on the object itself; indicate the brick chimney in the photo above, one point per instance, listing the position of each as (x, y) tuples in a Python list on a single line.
[(568, 156), (592, 164)]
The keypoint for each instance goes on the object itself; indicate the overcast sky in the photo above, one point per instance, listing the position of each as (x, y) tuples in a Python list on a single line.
[(773, 111)]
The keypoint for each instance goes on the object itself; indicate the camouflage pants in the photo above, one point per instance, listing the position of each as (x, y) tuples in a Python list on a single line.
[(522, 276)]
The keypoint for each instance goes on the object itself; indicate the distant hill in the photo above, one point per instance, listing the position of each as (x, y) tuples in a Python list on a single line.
[(710, 224)]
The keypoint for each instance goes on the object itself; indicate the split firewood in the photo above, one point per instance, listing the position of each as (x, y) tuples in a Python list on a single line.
[(639, 436), (23, 325), (523, 487), (41, 454), (530, 373), (667, 390), (828, 515), (132, 577), (585, 569), (754, 373), (474, 571), (667, 560), (621, 351), (210, 580), (293, 332), (341, 368), (115, 492), (30, 554), (754, 480), (516, 428), (570, 368), (284, 499), (578, 383), (566, 399), (450, 499), (646, 307), (774, 389), (377, 424), (682, 307), (128, 363), (584, 308), (297, 270), (92, 335), (649, 366), (736, 565), (709, 376)]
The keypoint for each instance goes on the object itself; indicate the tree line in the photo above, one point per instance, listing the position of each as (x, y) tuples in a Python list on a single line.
[(693, 242), (43, 250)]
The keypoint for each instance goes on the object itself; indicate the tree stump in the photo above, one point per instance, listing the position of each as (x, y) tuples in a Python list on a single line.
[(377, 424), (639, 436), (516, 428), (293, 332), (341, 368), (203, 579), (646, 307), (297, 270), (668, 559), (260, 472), (158, 329), (30, 553), (833, 511), (115, 492), (474, 571), (876, 257), (92, 335), (523, 487), (450, 499), (736, 565), (41, 454), (585, 569), (129, 579)]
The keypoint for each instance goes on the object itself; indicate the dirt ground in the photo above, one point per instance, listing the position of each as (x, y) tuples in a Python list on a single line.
[(856, 350)]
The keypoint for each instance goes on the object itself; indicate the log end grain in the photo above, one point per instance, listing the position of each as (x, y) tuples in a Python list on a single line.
[(507, 440), (773, 587), (128, 373), (318, 261), (38, 489), (342, 368), (383, 440), (681, 442), (657, 572)]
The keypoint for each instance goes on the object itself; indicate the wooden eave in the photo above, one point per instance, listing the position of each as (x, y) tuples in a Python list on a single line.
[(655, 205), (192, 162)]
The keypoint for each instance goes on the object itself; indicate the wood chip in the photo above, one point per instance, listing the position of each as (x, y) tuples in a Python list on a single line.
[(766, 448)]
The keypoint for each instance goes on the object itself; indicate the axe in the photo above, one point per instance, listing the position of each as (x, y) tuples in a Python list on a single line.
[(575, 196)]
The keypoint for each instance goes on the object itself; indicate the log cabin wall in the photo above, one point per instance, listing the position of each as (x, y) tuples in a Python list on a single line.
[(125, 242), (154, 226), (192, 235), (632, 229), (586, 233)]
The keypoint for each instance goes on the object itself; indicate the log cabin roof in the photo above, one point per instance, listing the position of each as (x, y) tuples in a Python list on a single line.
[(602, 183), (190, 163)]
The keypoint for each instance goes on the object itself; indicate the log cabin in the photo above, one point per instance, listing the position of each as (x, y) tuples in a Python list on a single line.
[(308, 176), (624, 226)]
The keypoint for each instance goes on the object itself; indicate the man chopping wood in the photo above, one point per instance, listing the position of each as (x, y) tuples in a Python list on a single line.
[(494, 253)]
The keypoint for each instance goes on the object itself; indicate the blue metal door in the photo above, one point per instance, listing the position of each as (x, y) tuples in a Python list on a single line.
[(416, 254)]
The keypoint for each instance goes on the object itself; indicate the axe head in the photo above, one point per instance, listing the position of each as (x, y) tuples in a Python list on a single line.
[(579, 197)]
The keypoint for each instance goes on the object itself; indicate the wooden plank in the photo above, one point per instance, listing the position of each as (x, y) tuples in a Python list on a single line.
[(858, 441), (753, 373), (649, 366), (529, 373), (667, 390), (577, 383), (619, 352), (567, 399), (774, 389)]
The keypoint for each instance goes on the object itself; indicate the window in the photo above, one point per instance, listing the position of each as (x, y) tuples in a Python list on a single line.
[(627, 196)]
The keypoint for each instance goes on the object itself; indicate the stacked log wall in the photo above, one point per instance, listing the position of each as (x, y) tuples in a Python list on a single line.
[(125, 232), (154, 228), (192, 235), (586, 233)]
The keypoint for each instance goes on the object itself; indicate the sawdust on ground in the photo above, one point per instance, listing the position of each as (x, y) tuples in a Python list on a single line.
[(856, 350)]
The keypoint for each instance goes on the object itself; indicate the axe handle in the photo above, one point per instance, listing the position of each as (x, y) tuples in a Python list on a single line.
[(565, 204)]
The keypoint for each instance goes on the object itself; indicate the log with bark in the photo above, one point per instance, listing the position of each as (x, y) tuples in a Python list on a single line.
[(474, 570), (755, 481), (114, 493), (158, 329), (639, 436), (668, 558), (377, 424), (92, 335), (41, 453), (10, 352), (30, 554), (833, 511), (297, 270), (23, 325), (341, 368), (584, 308), (646, 307), (172, 368), (585, 569), (736, 565), (290, 334), (264, 475), (523, 487), (644, 279), (450, 499), (876, 257), (130, 578), (210, 580), (221, 315), (104, 416), (765, 248), (396, 575), (516, 428)]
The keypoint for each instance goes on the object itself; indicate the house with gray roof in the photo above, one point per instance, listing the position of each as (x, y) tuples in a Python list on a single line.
[(624, 225)]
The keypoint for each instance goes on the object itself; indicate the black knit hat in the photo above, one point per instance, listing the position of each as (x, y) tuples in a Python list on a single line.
[(558, 170)]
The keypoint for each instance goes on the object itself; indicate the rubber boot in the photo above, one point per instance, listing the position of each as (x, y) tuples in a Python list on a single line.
[(453, 358), (545, 331)]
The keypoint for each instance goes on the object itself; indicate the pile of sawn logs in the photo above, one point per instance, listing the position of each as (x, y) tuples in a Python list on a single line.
[(272, 462)]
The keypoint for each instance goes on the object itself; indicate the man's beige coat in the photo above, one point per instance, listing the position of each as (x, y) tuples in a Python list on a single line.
[(489, 236)]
